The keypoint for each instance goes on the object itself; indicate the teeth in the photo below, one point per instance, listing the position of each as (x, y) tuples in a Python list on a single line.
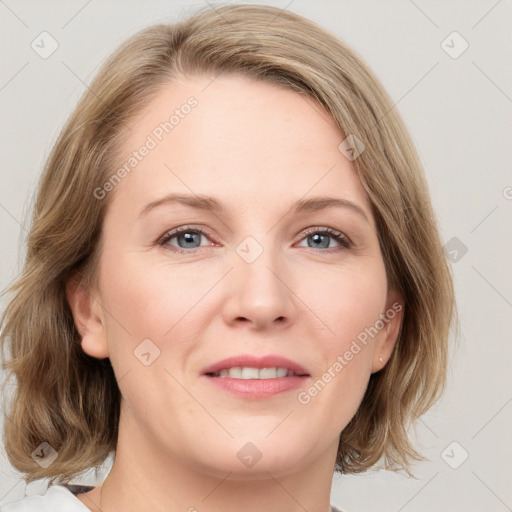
[(271, 373), (282, 372), (236, 373), (250, 373), (246, 373)]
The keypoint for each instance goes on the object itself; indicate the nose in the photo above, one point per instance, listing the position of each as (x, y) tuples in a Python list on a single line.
[(259, 293)]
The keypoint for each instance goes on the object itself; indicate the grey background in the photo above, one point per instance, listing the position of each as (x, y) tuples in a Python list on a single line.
[(459, 112)]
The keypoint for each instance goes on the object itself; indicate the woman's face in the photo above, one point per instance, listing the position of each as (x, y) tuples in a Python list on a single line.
[(254, 276)]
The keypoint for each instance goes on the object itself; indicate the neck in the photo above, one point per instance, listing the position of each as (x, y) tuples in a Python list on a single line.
[(146, 478)]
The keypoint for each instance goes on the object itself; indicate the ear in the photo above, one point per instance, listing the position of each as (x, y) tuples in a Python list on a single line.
[(88, 319), (392, 319)]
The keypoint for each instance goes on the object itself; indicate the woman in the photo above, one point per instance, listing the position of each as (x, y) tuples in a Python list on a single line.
[(303, 333)]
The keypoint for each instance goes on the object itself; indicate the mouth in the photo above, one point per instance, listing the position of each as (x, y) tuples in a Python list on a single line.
[(252, 377), (249, 373)]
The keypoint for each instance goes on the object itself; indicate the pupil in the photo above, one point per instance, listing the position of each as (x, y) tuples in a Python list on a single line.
[(189, 237), (325, 243)]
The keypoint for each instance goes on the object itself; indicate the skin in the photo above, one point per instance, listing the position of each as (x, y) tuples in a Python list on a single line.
[(257, 148)]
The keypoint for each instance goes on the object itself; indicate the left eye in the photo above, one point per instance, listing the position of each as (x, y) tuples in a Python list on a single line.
[(321, 236)]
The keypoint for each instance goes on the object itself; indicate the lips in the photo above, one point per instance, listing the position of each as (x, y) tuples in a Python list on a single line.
[(237, 376), (250, 361)]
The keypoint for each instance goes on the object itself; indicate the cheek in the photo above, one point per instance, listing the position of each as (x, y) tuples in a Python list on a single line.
[(149, 299), (348, 310), (347, 302), (150, 312)]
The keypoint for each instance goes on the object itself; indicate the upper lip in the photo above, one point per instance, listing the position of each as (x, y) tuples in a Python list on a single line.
[(250, 361)]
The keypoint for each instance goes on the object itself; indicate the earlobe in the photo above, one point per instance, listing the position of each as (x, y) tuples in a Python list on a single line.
[(93, 347), (386, 341), (87, 320)]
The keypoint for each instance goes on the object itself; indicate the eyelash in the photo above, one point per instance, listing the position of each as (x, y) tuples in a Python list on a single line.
[(337, 235)]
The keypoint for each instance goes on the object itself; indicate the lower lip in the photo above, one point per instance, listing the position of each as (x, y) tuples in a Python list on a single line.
[(257, 388)]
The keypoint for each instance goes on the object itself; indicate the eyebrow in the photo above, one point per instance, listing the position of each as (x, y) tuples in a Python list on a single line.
[(209, 203)]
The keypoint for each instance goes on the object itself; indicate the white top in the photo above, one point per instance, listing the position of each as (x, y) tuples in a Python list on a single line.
[(57, 499)]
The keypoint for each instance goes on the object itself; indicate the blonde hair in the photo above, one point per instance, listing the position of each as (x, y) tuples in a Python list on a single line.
[(71, 400)]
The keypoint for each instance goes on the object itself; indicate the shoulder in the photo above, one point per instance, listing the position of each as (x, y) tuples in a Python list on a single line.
[(58, 498)]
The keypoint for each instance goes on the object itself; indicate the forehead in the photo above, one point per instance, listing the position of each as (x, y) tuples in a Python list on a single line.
[(241, 140)]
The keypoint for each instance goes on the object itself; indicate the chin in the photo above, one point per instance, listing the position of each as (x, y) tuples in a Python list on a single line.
[(256, 458)]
